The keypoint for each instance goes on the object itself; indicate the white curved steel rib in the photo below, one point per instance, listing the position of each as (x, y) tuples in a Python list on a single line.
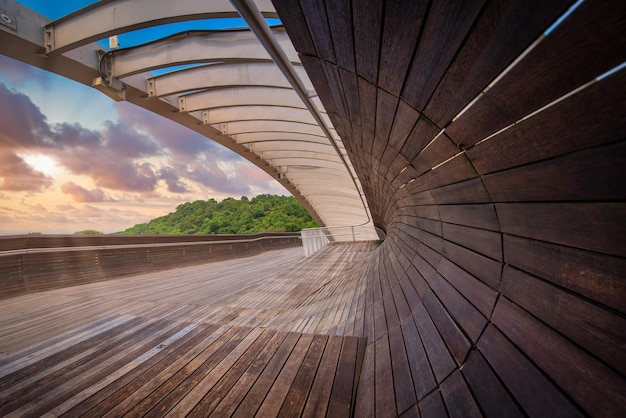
[(263, 74), (111, 17), (258, 137), (196, 47), (240, 96), (243, 113)]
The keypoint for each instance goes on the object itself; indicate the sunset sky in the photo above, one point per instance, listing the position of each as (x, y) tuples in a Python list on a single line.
[(73, 159)]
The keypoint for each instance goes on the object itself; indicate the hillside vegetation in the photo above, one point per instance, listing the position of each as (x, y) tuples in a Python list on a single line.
[(263, 213)]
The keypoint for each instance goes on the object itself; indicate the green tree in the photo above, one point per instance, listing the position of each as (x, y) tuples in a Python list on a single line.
[(230, 216)]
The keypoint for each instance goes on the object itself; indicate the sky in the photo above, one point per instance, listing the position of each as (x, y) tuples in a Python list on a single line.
[(72, 159)]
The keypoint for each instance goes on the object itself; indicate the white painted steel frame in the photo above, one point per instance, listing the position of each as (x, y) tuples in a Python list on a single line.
[(247, 99)]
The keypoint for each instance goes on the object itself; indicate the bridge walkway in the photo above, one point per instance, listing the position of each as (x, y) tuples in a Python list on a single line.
[(271, 334)]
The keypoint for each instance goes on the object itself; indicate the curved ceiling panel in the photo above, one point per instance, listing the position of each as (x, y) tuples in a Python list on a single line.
[(264, 74), (197, 47)]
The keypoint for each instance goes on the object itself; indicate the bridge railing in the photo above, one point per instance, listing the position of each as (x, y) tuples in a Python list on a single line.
[(314, 239), (36, 263)]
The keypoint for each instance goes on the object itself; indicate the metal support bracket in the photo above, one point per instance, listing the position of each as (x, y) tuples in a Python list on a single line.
[(7, 20)]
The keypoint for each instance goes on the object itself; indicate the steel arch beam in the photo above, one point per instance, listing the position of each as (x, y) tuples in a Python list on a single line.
[(112, 17), (196, 47), (219, 75)]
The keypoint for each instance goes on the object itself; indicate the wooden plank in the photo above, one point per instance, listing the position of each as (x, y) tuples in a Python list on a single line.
[(579, 375), (61, 361), (162, 399), (598, 330), (59, 342), (482, 268), (340, 403), (447, 24), (402, 378), (402, 25), (459, 400), (476, 216), (319, 395), (491, 395), (206, 381), (437, 151), (410, 285), (366, 394), (123, 370), (385, 398), (412, 412), (317, 75), (367, 16), (462, 313), (589, 226), (455, 170), (404, 122), (296, 397), (433, 242), (251, 402), (380, 323), (594, 276), (11, 278), (481, 296), (56, 392), (315, 15), (351, 95), (391, 313), (422, 134), (584, 176), (425, 270), (386, 105), (580, 49), (482, 57), (423, 380), (340, 21), (293, 18), (401, 305), (542, 135), (231, 400), (531, 389), (433, 406), (125, 392), (333, 81), (479, 240), (224, 384), (469, 191), (367, 96), (275, 397), (439, 357)]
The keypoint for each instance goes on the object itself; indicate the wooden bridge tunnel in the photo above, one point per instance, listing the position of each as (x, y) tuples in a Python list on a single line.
[(500, 183), (488, 139)]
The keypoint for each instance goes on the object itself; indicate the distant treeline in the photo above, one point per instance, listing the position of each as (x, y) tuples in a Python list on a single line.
[(263, 213)]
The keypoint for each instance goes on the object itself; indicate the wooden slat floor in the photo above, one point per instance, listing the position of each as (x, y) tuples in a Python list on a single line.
[(267, 335)]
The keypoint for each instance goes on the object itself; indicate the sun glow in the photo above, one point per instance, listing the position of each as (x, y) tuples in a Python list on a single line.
[(41, 163)]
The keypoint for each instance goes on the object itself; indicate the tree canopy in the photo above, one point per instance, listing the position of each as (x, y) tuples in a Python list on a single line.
[(263, 213)]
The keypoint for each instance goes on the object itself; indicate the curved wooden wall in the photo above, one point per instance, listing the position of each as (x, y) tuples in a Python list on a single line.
[(500, 289)]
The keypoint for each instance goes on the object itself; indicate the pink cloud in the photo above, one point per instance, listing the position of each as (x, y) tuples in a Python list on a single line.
[(19, 176), (80, 194), (21, 122)]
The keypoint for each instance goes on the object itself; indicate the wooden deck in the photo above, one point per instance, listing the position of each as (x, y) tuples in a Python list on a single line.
[(267, 335)]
